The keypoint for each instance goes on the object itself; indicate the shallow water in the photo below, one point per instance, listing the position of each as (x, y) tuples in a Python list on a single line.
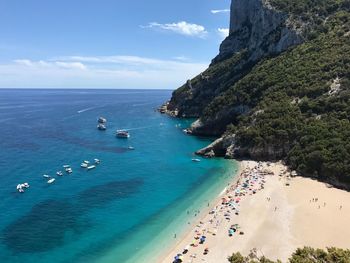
[(125, 206)]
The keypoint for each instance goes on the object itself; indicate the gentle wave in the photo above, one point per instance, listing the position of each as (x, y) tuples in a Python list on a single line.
[(5, 120)]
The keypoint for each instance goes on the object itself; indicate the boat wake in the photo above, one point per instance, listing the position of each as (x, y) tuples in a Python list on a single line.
[(88, 109), (141, 128), (83, 110)]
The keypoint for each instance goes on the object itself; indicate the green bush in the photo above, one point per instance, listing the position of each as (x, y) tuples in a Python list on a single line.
[(301, 255)]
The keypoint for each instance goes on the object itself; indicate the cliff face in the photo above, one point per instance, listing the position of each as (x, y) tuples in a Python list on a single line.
[(256, 31), (279, 88), (256, 26)]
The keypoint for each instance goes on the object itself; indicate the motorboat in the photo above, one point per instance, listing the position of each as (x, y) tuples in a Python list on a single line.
[(59, 173), (66, 166), (97, 161), (51, 180), (46, 176), (102, 120), (87, 162), (69, 170), (101, 127), (84, 165), (131, 148), (196, 160), (91, 167), (19, 188), (122, 134)]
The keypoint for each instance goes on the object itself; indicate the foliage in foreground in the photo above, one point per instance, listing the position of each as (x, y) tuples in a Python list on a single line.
[(301, 255)]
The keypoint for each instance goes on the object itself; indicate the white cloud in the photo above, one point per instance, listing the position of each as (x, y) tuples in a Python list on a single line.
[(72, 65), (49, 64), (181, 58), (218, 11), (24, 62), (223, 32), (98, 72), (181, 27)]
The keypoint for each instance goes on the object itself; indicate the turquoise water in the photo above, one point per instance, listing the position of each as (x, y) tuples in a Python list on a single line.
[(122, 211)]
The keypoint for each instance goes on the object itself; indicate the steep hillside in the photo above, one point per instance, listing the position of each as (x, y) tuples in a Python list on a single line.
[(280, 87)]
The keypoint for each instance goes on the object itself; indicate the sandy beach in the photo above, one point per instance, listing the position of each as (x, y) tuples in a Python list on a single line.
[(267, 212)]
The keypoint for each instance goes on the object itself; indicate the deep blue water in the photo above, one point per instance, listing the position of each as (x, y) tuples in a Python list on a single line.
[(109, 213)]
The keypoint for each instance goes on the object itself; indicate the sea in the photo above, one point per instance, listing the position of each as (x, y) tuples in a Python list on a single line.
[(138, 202)]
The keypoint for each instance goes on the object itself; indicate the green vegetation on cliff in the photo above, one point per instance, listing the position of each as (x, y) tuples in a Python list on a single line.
[(293, 106), (304, 255), (300, 104)]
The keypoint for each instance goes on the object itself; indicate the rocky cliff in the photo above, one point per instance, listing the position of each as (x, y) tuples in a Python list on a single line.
[(257, 30), (269, 94), (261, 29)]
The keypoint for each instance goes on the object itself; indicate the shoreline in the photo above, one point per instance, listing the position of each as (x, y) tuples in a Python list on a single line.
[(205, 209), (158, 245), (275, 215)]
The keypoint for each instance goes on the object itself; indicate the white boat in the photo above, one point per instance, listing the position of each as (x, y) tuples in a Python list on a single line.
[(83, 165), (21, 186), (46, 176), (131, 148), (91, 167), (66, 166), (102, 120), (87, 162), (59, 173), (196, 160), (101, 127), (51, 180), (69, 170), (122, 134), (97, 161)]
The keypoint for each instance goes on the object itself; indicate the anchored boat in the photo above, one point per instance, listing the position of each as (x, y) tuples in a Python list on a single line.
[(102, 120), (101, 127), (51, 180), (122, 134), (91, 167)]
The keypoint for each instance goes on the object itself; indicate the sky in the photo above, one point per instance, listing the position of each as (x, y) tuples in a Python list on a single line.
[(108, 43)]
